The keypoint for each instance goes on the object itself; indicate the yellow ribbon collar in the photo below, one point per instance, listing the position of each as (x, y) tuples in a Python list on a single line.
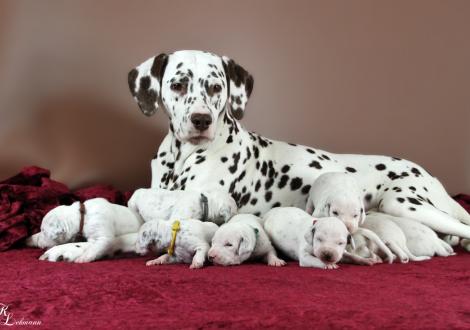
[(174, 229)]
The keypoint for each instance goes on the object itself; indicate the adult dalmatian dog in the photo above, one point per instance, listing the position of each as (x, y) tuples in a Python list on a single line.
[(205, 97)]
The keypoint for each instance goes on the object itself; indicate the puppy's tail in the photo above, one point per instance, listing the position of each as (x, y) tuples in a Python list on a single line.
[(373, 237)]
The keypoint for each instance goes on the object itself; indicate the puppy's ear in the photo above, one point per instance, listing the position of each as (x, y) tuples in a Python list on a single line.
[(351, 241), (310, 208), (245, 247), (362, 216), (240, 85), (145, 82), (310, 233)]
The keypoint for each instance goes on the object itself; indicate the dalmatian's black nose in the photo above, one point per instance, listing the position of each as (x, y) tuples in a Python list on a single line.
[(201, 121), (326, 256)]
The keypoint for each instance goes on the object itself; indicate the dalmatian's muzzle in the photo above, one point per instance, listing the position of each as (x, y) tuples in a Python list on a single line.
[(194, 88)]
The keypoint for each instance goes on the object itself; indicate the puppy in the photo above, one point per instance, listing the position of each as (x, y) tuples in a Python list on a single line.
[(185, 241), (391, 234), (366, 242), (156, 204), (97, 220), (242, 238), (318, 243), (337, 195), (422, 240)]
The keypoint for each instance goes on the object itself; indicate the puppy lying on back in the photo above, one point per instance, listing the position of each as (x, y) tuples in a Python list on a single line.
[(313, 242), (242, 238), (185, 241), (96, 220), (337, 195), (160, 204), (391, 234)]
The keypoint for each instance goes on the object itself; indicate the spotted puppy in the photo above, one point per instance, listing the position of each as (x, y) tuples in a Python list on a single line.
[(186, 241), (420, 239), (153, 204), (318, 243), (97, 221), (337, 194), (242, 238), (391, 234)]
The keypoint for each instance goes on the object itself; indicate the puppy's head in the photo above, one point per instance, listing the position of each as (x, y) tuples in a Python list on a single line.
[(60, 225), (328, 237), (222, 206), (147, 237), (194, 88), (232, 244), (350, 210)]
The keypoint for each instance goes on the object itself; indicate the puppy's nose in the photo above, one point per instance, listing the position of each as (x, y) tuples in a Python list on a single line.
[(326, 256), (210, 258), (201, 121)]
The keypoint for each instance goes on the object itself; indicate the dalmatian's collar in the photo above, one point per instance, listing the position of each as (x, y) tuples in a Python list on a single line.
[(204, 207), (175, 228)]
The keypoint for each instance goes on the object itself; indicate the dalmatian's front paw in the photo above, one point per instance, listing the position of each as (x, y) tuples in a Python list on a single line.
[(276, 262), (196, 264), (159, 261), (331, 266), (67, 252)]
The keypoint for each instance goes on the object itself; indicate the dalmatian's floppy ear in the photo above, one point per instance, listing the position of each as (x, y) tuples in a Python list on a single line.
[(240, 85), (310, 233), (362, 217), (351, 241), (145, 83)]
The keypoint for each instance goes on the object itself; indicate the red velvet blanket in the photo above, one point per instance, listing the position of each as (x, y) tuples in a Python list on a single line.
[(124, 293)]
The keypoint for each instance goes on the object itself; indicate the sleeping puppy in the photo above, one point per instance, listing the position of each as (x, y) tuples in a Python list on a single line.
[(185, 241), (391, 234), (337, 195), (97, 221), (157, 204), (318, 243), (422, 240), (242, 238)]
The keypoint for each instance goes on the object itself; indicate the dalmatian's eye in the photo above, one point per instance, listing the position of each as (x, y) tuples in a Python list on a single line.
[(341, 243), (177, 87), (355, 216), (228, 244), (319, 240), (217, 88), (335, 213)]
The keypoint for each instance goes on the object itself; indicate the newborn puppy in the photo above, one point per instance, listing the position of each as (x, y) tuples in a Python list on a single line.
[(97, 220), (185, 241), (337, 195), (242, 238), (391, 234), (422, 240), (313, 242), (156, 204)]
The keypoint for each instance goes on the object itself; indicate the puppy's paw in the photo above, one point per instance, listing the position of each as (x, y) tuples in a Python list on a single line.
[(159, 261), (331, 266), (196, 265), (66, 252), (276, 262)]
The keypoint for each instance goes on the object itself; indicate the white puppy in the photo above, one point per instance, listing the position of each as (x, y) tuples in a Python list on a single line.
[(97, 220), (242, 238), (313, 242), (337, 195), (156, 204), (185, 241), (422, 240), (391, 234)]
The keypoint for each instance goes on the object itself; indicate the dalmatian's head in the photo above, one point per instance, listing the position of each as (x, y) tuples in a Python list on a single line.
[(328, 238), (194, 88), (60, 225), (147, 238), (349, 209), (232, 244)]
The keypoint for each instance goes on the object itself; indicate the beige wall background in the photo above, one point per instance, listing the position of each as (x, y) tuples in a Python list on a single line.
[(372, 77)]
